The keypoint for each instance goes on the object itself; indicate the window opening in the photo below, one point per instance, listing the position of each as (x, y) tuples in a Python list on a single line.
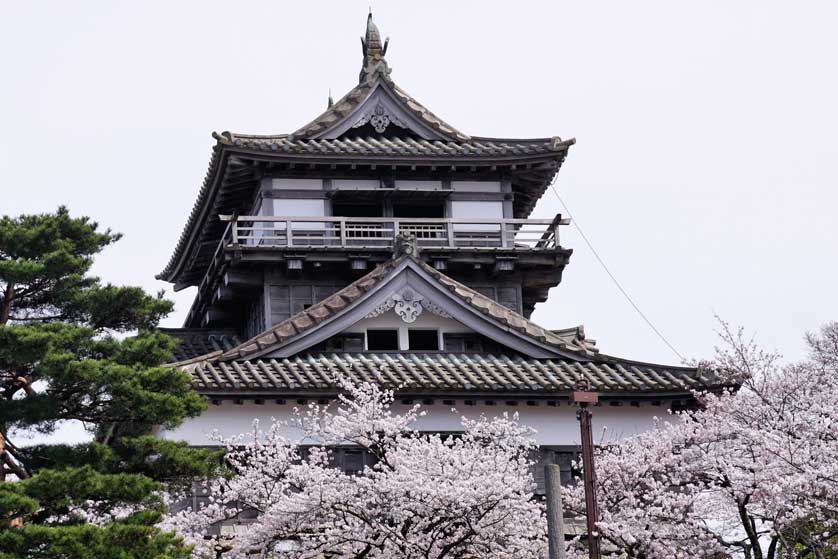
[(348, 209), (382, 340), (419, 209), (423, 340)]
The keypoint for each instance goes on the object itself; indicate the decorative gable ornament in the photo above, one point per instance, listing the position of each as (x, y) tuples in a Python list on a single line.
[(380, 118), (408, 305)]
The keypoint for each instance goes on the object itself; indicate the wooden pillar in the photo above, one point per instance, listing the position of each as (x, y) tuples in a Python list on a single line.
[(584, 399), (590, 481)]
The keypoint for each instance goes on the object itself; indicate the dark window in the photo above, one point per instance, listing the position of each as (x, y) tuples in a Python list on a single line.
[(414, 209), (287, 300), (383, 340), (344, 209), (567, 460), (353, 461), (200, 495), (423, 340), (506, 296), (473, 343), (350, 343)]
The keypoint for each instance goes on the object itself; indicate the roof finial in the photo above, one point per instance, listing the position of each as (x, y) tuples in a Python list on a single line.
[(331, 101), (405, 243), (373, 49)]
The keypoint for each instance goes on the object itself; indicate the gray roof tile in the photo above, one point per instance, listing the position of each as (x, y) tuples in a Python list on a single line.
[(441, 372)]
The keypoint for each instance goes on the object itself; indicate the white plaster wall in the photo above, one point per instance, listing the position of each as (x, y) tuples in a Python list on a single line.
[(475, 186), (418, 185), (299, 207), (553, 425), (477, 210), (297, 184), (350, 184), (468, 209)]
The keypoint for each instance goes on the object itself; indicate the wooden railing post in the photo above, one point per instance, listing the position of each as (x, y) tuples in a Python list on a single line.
[(343, 231), (450, 233), (234, 231), (395, 228), (289, 233)]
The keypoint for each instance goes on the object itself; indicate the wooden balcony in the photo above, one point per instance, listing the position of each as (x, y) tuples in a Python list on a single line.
[(377, 233)]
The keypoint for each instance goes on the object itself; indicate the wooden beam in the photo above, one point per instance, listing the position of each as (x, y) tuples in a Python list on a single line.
[(224, 294), (238, 278), (214, 315)]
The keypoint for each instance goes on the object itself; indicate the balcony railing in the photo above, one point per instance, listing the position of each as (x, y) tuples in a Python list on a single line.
[(378, 232)]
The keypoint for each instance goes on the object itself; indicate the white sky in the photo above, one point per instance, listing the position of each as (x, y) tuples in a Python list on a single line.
[(705, 171)]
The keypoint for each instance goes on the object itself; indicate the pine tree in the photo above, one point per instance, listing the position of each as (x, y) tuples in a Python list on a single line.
[(66, 354)]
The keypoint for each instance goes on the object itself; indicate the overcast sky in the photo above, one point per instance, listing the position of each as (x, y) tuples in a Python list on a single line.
[(705, 171)]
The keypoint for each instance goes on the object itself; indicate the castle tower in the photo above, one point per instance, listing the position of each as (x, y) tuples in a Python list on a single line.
[(380, 242)]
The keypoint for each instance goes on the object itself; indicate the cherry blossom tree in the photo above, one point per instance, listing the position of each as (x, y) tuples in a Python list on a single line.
[(427, 495), (752, 473)]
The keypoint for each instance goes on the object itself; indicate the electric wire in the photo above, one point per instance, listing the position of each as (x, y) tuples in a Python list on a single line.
[(613, 278)]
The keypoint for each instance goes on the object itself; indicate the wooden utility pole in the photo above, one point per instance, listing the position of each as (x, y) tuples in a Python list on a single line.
[(584, 400), (555, 511)]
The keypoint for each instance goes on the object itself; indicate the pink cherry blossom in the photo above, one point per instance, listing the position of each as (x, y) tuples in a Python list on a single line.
[(427, 496), (753, 473)]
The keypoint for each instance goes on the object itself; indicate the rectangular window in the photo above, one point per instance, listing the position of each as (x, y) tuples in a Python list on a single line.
[(350, 343), (423, 340), (351, 460), (382, 340), (419, 209), (349, 209), (565, 458), (287, 300)]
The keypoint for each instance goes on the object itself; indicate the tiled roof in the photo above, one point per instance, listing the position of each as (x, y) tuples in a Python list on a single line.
[(455, 147), (379, 74), (457, 373), (198, 215), (570, 340), (195, 342), (405, 147)]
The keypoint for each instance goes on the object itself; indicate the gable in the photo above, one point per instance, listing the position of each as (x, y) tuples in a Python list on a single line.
[(408, 288), (378, 100), (384, 112)]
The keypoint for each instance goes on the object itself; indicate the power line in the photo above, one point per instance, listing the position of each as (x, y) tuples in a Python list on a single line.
[(610, 275)]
